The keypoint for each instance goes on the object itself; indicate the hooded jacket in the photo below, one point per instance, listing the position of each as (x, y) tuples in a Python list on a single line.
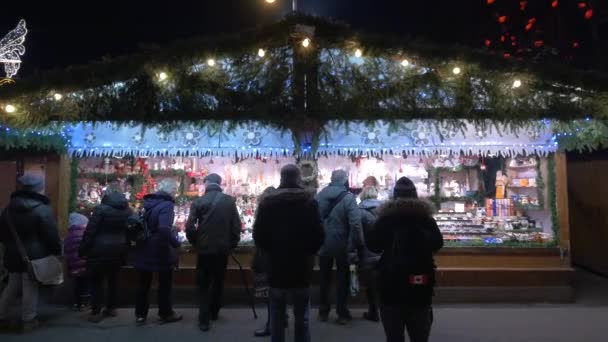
[(77, 266), (342, 223), (105, 239), (158, 252), (36, 226), (407, 236), (289, 230), (221, 232), (369, 212)]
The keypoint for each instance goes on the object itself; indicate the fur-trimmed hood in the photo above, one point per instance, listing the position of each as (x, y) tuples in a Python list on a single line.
[(406, 207)]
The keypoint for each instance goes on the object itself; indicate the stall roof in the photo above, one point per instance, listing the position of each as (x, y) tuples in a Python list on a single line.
[(341, 75)]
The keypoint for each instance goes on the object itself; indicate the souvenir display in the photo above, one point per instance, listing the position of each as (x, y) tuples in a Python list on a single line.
[(454, 184)]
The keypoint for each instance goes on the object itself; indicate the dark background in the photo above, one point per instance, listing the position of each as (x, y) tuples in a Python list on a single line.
[(75, 32)]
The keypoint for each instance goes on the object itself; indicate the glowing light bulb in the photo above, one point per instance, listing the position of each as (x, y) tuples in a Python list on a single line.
[(456, 71), (358, 53), (516, 84), (270, 1), (405, 62), (261, 53), (162, 76), (211, 62), (306, 42), (58, 97), (10, 108)]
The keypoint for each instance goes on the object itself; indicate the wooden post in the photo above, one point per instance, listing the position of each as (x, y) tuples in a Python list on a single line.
[(561, 187), (63, 198)]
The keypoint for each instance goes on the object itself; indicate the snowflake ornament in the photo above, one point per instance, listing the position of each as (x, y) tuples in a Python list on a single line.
[(421, 135), (253, 137), (191, 138), (138, 138), (90, 138), (11, 49), (163, 137), (371, 137)]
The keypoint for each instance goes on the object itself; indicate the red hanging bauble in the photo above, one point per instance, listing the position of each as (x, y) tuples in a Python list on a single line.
[(489, 2), (582, 5), (522, 5), (589, 14), (555, 3), (488, 42), (502, 19)]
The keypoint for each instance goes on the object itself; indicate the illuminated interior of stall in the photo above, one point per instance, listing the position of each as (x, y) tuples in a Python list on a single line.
[(245, 180)]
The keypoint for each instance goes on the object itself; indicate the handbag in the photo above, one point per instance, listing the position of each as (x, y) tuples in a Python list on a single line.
[(47, 270)]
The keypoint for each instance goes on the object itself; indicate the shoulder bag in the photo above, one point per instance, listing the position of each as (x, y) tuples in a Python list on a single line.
[(47, 270)]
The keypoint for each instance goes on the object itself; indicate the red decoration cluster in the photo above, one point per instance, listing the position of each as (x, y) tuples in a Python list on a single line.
[(149, 182)]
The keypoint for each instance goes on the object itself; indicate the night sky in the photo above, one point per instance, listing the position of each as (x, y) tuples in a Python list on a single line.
[(75, 32)]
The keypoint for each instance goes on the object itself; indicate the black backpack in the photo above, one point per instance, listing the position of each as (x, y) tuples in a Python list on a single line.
[(137, 227), (409, 261)]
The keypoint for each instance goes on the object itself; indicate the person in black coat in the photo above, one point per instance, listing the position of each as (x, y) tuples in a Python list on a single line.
[(288, 229), (214, 229), (407, 236), (104, 246), (36, 227)]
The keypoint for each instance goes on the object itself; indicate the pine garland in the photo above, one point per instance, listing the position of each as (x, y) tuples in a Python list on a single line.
[(251, 88)]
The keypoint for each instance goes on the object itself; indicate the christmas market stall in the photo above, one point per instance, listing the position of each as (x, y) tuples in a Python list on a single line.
[(248, 157), (483, 136)]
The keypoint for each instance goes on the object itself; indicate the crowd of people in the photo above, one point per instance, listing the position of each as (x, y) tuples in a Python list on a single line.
[(390, 244)]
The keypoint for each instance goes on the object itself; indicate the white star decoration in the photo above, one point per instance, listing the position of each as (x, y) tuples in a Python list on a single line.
[(11, 49)]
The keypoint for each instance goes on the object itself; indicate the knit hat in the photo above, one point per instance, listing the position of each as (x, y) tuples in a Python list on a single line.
[(77, 219), (405, 188), (213, 178), (291, 176), (29, 182), (339, 177)]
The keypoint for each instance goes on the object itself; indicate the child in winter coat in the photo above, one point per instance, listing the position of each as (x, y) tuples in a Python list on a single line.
[(77, 266)]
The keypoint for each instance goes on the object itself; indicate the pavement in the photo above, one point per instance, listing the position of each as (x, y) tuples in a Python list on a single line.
[(586, 320)]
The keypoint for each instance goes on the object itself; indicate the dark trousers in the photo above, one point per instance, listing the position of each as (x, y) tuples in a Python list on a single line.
[(165, 283), (80, 286), (98, 276), (211, 270), (301, 312), (417, 320), (370, 280), (342, 285)]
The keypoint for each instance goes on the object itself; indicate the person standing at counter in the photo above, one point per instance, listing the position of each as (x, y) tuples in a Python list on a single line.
[(104, 246), (77, 266), (157, 254), (368, 260), (407, 236), (343, 237), (288, 229), (214, 228)]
